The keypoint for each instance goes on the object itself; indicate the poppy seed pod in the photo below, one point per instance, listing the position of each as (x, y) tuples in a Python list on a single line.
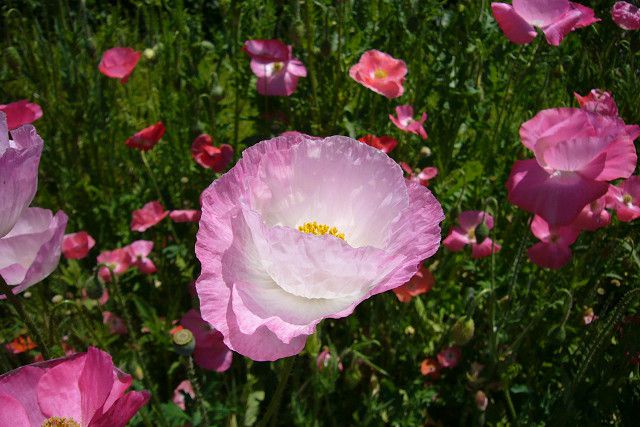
[(184, 342)]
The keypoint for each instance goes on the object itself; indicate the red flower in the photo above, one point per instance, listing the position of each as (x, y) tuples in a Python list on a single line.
[(147, 138), (21, 113), (430, 368), (20, 345), (77, 245), (187, 215), (119, 62), (383, 143), (150, 214), (421, 283), (210, 157), (449, 357)]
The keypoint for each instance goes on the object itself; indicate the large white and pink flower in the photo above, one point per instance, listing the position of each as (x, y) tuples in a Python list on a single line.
[(304, 229)]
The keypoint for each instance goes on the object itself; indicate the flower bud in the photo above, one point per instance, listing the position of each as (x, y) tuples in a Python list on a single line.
[(184, 342), (462, 331), (94, 288), (482, 232)]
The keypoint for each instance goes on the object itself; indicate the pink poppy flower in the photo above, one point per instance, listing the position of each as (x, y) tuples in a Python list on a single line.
[(116, 324), (119, 62), (421, 283), (386, 144), (576, 152), (593, 216), (273, 63), (19, 161), (116, 261), (625, 199), (84, 390), (430, 368), (380, 72), (423, 177), (147, 138), (148, 216), (626, 15), (406, 122), (473, 230), (598, 101), (303, 230), (20, 345), (449, 357), (139, 251), (77, 245), (553, 251), (187, 215), (180, 393), (324, 360), (21, 113), (556, 19), (210, 157), (31, 250), (211, 353)]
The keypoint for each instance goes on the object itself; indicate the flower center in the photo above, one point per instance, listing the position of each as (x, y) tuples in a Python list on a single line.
[(320, 229), (59, 422), (627, 199), (277, 66), (379, 73)]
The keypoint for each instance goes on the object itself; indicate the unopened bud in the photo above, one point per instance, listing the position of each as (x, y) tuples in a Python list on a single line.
[(57, 299), (184, 342), (94, 288), (462, 331), (482, 232)]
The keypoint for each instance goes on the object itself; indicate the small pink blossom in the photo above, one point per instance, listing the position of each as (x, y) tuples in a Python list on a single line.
[(423, 177), (147, 138), (148, 216), (553, 251), (380, 72), (449, 357), (188, 215), (626, 15), (21, 113), (119, 62), (210, 353), (77, 245), (181, 392), (116, 261), (116, 324), (273, 63), (405, 121), (467, 234), (625, 199), (421, 283), (325, 360), (593, 216), (139, 251), (384, 143), (208, 156), (598, 101)]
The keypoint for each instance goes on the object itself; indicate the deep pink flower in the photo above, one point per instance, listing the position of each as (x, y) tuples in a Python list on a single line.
[(386, 144), (380, 72), (468, 234), (211, 353), (148, 216), (21, 113), (593, 216), (300, 230), (556, 18), (116, 324), (421, 283), (430, 368), (84, 390), (598, 101), (210, 157), (119, 62), (179, 394), (406, 122), (19, 161), (553, 251), (187, 215), (625, 199), (626, 15), (273, 63), (449, 357), (147, 138), (77, 245), (116, 261), (139, 251), (31, 250), (576, 152)]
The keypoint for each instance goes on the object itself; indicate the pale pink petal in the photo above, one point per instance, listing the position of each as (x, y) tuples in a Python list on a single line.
[(541, 12), (21, 384), (512, 25)]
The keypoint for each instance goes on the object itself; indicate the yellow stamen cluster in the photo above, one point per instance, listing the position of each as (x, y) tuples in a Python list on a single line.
[(277, 66), (627, 199), (320, 229), (59, 422), (379, 73)]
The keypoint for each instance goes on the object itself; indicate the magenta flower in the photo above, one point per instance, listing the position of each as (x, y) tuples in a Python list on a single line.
[(115, 324), (21, 113), (148, 216), (211, 353), (77, 245), (119, 62), (139, 251), (406, 122), (273, 63), (31, 250), (556, 19), (449, 357), (553, 251), (179, 394), (147, 138), (626, 15), (19, 161), (598, 101), (115, 262), (576, 153), (304, 229), (473, 230), (593, 216), (380, 72), (83, 390), (188, 215), (625, 199)]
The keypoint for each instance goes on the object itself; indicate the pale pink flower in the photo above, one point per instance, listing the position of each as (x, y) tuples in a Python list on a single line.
[(423, 177), (380, 72), (210, 353), (556, 18), (471, 231), (300, 230), (188, 215), (77, 245), (598, 101), (273, 63), (21, 113), (625, 199), (626, 15), (553, 251), (407, 123), (449, 357), (119, 62), (139, 251), (115, 324), (148, 216), (115, 262), (180, 393), (84, 390), (421, 283)]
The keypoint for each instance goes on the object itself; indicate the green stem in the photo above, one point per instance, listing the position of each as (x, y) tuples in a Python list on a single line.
[(274, 405), (152, 176), (308, 28), (195, 382)]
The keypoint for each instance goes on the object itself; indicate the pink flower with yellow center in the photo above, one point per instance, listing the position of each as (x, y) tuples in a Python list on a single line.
[(380, 72)]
